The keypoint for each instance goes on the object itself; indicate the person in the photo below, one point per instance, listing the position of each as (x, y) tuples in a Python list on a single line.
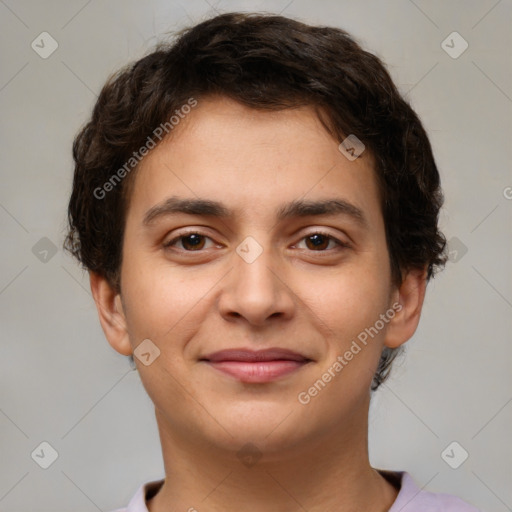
[(257, 208)]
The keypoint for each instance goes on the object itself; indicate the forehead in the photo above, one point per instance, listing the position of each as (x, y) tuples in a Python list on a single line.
[(254, 161)]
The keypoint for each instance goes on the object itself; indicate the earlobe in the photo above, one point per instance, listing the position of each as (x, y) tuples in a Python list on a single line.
[(410, 298), (111, 314)]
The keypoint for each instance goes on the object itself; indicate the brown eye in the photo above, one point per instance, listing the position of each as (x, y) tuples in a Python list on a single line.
[(189, 242), (193, 241), (318, 241)]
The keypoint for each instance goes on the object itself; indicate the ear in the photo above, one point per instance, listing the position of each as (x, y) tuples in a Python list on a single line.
[(410, 297), (111, 314)]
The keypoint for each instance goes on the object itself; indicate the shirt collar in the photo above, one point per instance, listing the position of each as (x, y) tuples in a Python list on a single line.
[(407, 491), (146, 491)]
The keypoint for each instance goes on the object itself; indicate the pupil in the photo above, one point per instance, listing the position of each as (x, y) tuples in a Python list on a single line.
[(317, 240), (192, 240)]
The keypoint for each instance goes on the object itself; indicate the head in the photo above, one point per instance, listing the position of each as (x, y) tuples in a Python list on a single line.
[(247, 113)]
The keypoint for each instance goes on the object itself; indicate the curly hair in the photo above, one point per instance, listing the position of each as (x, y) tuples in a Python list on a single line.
[(266, 62)]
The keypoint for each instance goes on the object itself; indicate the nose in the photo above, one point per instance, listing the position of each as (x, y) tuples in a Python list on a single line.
[(256, 289)]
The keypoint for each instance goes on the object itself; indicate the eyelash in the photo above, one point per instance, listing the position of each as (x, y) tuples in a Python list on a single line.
[(341, 245)]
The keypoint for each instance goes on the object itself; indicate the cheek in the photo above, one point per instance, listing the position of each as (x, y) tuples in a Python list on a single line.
[(350, 306), (348, 299), (163, 300)]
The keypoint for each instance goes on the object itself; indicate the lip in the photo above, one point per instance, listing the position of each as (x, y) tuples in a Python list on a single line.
[(256, 366)]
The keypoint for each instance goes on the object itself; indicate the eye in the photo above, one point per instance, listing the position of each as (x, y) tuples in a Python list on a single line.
[(195, 241), (319, 241), (191, 241)]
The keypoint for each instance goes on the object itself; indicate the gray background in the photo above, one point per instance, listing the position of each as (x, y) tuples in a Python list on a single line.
[(61, 382)]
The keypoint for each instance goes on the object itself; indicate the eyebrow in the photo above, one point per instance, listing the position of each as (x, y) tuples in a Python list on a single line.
[(297, 208)]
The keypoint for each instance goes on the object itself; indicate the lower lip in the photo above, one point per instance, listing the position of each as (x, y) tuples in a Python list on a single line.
[(260, 371)]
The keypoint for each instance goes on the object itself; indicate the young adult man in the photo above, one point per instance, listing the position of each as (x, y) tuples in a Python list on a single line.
[(257, 208)]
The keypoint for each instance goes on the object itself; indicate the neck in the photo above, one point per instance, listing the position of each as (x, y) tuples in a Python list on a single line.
[(331, 472)]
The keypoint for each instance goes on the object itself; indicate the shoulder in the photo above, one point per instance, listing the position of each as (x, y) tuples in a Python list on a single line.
[(413, 499)]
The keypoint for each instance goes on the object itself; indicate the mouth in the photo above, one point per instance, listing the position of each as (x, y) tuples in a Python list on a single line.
[(256, 366)]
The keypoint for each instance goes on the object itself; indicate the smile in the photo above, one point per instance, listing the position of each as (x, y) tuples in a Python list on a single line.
[(256, 366)]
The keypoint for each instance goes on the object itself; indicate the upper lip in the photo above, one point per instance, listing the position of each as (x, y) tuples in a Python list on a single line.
[(248, 355)]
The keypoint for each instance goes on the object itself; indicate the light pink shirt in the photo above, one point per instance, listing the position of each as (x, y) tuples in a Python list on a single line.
[(410, 497)]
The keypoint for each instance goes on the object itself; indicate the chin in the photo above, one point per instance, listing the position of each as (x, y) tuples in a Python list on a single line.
[(270, 427)]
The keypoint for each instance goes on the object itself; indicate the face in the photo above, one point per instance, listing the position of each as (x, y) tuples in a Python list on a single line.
[(248, 265)]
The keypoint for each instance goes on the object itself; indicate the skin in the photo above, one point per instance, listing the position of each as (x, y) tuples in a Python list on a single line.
[(190, 302)]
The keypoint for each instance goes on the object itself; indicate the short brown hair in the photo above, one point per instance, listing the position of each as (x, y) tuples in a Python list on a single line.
[(266, 62)]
